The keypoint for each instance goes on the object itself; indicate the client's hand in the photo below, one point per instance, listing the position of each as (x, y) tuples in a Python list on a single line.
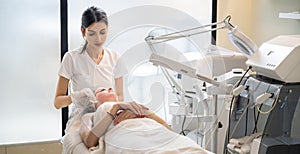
[(124, 115), (136, 108)]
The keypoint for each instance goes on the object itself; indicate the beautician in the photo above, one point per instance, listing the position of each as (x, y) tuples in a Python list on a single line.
[(90, 66)]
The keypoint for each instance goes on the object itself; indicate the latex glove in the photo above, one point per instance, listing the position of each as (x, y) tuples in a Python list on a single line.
[(85, 93), (138, 109)]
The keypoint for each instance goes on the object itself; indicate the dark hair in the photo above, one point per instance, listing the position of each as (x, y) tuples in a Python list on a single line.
[(91, 15)]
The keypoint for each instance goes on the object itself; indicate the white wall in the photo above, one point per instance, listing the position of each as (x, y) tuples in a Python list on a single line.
[(258, 19)]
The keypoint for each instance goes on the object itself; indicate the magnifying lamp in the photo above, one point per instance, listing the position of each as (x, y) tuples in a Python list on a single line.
[(244, 44)]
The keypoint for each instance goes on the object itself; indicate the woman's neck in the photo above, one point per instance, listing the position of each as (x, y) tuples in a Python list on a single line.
[(95, 53)]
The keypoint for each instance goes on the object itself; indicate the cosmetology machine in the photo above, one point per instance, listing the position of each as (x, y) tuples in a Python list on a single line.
[(191, 102), (264, 116), (263, 112)]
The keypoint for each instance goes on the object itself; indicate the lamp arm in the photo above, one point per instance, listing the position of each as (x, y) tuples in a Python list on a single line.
[(171, 80), (179, 34)]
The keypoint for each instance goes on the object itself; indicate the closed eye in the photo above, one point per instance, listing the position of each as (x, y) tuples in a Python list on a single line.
[(102, 90)]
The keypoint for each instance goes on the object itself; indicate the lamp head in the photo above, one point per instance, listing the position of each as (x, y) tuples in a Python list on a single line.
[(244, 44)]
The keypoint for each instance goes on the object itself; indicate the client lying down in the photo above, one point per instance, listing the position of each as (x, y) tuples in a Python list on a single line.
[(130, 128)]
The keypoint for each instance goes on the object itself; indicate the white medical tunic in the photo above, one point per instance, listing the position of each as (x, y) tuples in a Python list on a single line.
[(83, 72)]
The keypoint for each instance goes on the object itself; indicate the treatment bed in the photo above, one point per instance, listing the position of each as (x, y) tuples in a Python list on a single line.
[(132, 136)]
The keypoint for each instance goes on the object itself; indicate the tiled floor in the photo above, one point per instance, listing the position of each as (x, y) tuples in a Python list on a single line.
[(35, 148)]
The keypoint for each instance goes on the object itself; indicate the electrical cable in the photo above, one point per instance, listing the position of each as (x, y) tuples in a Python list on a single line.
[(246, 121), (231, 106), (235, 127), (182, 126), (273, 106), (256, 120)]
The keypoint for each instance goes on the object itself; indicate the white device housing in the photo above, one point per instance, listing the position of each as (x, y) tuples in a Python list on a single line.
[(180, 68), (278, 58)]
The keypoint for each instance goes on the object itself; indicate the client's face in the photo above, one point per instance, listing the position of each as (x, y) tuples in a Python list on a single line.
[(105, 95)]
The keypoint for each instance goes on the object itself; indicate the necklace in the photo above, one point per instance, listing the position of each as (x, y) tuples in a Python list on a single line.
[(100, 56)]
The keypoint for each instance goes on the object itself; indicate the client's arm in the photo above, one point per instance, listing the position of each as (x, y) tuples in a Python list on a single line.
[(124, 115), (158, 119), (87, 123), (130, 115), (91, 134)]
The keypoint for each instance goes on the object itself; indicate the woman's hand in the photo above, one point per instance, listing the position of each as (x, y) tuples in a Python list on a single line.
[(85, 93)]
